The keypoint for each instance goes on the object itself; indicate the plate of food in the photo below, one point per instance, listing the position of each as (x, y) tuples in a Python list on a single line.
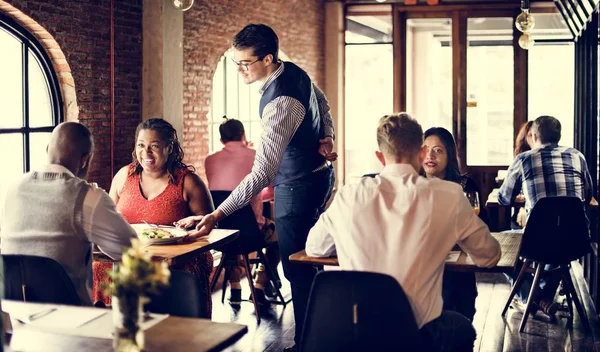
[(158, 234)]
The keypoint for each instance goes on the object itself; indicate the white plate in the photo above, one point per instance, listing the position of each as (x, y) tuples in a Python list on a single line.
[(139, 228)]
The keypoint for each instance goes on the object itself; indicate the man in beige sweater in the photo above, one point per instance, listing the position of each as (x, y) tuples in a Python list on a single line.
[(54, 213)]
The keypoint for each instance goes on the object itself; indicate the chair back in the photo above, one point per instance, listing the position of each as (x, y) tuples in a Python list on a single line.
[(556, 231), (250, 238), (36, 279), (183, 297), (346, 312)]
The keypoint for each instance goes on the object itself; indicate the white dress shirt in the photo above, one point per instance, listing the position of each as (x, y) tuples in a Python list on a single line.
[(403, 225)]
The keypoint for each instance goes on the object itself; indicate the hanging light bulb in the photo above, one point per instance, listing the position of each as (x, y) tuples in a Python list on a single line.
[(526, 41), (525, 21), (183, 5)]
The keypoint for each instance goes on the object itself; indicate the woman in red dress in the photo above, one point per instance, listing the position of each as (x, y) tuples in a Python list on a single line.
[(157, 187)]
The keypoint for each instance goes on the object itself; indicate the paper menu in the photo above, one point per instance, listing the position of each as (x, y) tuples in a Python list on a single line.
[(453, 257)]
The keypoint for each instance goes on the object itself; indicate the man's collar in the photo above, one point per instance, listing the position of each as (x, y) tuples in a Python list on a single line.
[(273, 76), (235, 144), (398, 169), (59, 169)]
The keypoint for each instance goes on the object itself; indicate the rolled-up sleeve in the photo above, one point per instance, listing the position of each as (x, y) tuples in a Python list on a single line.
[(104, 226)]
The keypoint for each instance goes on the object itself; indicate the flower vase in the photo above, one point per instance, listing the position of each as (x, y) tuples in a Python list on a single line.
[(127, 318)]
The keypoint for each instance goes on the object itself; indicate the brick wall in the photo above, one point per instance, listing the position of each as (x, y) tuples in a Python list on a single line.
[(208, 29), (82, 30)]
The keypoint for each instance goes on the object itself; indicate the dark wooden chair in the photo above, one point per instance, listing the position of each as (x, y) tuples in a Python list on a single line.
[(346, 313), (250, 240), (556, 233), (37, 279), (183, 297)]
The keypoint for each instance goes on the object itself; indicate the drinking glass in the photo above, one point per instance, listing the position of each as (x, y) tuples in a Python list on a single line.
[(473, 198)]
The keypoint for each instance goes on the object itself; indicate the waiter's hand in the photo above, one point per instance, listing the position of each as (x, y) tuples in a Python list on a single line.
[(205, 226), (326, 149)]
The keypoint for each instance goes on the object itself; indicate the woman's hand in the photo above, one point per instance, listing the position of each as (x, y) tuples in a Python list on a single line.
[(188, 222)]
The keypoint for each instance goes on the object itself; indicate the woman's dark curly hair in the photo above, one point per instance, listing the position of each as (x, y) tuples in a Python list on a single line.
[(521, 141), (453, 167), (168, 135)]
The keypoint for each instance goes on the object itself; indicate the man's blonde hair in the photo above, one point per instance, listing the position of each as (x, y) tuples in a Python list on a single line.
[(399, 135)]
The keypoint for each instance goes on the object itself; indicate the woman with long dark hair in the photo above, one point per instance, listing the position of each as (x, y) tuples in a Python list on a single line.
[(159, 188), (524, 139), (459, 290)]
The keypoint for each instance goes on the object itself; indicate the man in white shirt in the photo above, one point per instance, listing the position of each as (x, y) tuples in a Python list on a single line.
[(55, 213), (404, 225)]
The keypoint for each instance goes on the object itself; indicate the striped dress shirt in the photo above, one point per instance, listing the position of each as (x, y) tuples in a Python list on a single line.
[(281, 118), (548, 171)]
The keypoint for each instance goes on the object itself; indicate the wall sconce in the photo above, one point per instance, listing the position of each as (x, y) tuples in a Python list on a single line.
[(183, 5), (525, 23)]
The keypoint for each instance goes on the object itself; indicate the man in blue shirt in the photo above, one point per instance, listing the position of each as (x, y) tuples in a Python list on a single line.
[(547, 170)]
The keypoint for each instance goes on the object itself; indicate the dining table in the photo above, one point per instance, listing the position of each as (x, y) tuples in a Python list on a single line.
[(500, 214), (182, 251), (510, 244), (72, 328)]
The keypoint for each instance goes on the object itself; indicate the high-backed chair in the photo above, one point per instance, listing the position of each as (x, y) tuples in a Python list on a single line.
[(250, 240), (37, 279), (182, 298), (346, 313), (556, 233)]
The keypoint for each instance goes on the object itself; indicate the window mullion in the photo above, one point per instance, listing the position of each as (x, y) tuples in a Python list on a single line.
[(25, 75)]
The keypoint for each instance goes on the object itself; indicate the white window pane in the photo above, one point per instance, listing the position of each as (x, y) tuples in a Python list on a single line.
[(40, 108), (11, 156), (11, 83), (218, 95), (369, 29), (369, 96), (232, 97), (254, 102), (215, 144), (244, 102), (490, 91), (37, 149), (255, 132), (553, 94), (429, 71)]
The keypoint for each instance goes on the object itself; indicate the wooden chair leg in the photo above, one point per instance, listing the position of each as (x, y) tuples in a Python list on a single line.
[(252, 290), (569, 306), (215, 278), (532, 292), (271, 274), (571, 287), (516, 286)]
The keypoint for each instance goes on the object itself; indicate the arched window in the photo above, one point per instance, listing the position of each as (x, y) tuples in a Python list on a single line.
[(235, 99), (29, 98)]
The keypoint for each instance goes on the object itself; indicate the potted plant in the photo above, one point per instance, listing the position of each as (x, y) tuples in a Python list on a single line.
[(133, 280)]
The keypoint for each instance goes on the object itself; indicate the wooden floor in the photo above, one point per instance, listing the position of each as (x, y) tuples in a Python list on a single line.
[(493, 332)]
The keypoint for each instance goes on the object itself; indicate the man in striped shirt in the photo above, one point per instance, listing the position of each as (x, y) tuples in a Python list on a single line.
[(548, 170), (295, 154)]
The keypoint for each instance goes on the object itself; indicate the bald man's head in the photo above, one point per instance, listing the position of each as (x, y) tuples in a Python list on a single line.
[(71, 146)]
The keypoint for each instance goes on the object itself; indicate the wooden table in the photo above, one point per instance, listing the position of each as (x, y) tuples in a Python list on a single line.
[(500, 214), (173, 253), (173, 334), (509, 242)]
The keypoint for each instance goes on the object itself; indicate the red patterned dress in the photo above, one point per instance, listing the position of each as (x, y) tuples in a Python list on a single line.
[(164, 209)]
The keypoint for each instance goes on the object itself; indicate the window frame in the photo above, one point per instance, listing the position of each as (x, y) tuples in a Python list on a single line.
[(31, 44)]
